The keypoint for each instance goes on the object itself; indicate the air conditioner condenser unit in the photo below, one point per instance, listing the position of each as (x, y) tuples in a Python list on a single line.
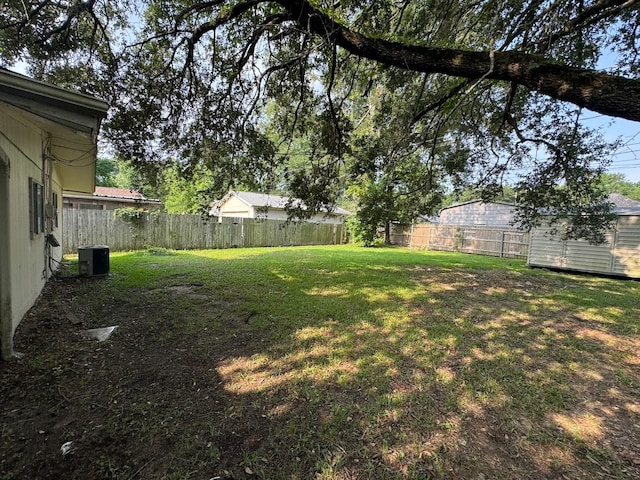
[(93, 261)]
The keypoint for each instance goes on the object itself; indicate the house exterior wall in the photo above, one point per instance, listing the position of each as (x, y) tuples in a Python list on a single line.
[(234, 207), (279, 214), (6, 315), (22, 144), (619, 255), (54, 217), (47, 140), (477, 213)]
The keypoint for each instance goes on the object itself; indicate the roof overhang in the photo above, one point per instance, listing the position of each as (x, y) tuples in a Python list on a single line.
[(73, 120)]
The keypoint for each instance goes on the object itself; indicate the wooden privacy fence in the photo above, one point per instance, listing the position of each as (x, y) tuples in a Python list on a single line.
[(497, 242), (188, 232)]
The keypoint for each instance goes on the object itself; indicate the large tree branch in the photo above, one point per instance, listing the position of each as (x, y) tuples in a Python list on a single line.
[(600, 92)]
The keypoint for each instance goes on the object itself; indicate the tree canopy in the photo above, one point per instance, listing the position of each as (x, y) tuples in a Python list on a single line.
[(402, 95)]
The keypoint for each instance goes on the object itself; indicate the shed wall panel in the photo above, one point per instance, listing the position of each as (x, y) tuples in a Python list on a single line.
[(545, 250), (620, 255), (626, 254), (580, 255)]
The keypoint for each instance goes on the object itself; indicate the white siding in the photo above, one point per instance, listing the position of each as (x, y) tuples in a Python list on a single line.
[(545, 250), (581, 255), (234, 207), (23, 145), (619, 255), (626, 254)]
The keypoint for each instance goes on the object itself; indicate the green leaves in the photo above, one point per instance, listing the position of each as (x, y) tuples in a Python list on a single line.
[(227, 85)]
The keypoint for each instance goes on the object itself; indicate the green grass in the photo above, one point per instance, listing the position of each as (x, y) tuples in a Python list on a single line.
[(344, 362)]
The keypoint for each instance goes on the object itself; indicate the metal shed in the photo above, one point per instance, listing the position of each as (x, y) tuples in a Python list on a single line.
[(619, 255), (478, 213)]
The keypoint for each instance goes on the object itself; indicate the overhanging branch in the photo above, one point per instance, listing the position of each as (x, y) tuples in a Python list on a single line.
[(600, 92)]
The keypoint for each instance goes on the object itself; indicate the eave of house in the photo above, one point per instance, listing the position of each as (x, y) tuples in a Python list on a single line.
[(72, 119)]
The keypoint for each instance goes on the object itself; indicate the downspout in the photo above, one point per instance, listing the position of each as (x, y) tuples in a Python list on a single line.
[(47, 174), (6, 313)]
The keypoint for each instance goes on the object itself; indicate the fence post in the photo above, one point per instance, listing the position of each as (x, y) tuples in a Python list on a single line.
[(502, 245), (411, 236)]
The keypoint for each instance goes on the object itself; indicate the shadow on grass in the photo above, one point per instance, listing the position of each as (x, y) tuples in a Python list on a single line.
[(331, 363)]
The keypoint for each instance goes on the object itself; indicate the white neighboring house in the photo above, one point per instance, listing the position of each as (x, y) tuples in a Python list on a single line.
[(263, 205), (48, 144)]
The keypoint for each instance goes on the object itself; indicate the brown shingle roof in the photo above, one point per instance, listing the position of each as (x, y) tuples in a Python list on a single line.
[(118, 193)]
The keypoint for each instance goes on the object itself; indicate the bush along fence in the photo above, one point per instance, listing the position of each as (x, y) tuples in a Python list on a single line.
[(497, 242), (188, 232)]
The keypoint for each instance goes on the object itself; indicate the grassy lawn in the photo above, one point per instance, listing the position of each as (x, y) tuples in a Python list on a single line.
[(326, 363)]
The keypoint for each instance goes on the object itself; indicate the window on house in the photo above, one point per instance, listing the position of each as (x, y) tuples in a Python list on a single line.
[(36, 207)]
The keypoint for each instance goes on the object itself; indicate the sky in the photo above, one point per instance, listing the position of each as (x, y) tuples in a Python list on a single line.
[(626, 159)]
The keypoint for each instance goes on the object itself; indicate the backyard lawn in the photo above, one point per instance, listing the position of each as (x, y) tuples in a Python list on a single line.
[(325, 363)]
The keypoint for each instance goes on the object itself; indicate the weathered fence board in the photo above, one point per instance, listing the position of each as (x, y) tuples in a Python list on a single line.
[(188, 232), (497, 242)]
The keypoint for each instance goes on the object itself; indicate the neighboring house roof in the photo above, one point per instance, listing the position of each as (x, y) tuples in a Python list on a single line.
[(252, 199), (113, 192), (126, 195), (623, 203), (73, 120)]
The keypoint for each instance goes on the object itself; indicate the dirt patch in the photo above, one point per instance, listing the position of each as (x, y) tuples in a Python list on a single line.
[(127, 408)]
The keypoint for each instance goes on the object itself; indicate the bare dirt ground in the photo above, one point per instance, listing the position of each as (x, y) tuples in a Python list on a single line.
[(101, 396)]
